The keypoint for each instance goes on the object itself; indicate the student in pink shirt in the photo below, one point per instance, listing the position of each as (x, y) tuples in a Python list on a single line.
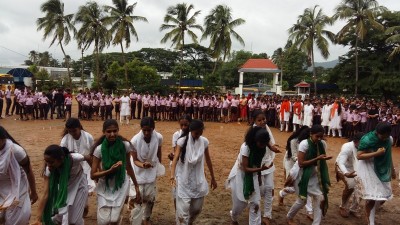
[(29, 101), (356, 122), (68, 106)]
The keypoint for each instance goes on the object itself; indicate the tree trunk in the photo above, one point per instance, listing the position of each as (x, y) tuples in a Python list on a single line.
[(97, 77), (314, 72), (356, 87), (180, 71), (82, 68), (66, 62), (124, 62)]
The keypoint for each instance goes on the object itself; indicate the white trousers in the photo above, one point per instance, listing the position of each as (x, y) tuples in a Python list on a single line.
[(18, 214), (266, 191), (239, 206), (187, 209), (300, 203), (144, 210)]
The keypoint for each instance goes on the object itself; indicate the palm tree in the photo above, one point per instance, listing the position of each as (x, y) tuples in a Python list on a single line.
[(394, 39), (278, 58), (57, 24), (34, 56), (219, 26), (122, 25), (93, 29), (309, 31), (179, 22), (360, 16)]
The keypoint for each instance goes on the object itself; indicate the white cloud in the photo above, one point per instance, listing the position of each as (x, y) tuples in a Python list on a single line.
[(265, 29)]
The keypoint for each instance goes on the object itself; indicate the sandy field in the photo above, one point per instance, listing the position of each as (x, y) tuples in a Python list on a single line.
[(225, 140)]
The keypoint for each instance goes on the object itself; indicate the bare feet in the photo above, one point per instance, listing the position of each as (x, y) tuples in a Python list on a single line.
[(280, 200), (234, 223), (265, 221), (343, 212), (310, 216), (356, 214), (146, 222), (86, 211), (291, 222)]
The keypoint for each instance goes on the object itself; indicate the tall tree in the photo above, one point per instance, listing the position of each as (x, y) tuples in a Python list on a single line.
[(179, 21), (34, 56), (93, 29), (360, 16), (219, 26), (394, 39), (309, 31), (57, 24), (122, 25)]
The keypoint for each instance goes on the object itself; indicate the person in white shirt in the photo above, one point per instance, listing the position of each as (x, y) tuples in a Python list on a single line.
[(192, 186), (308, 113), (346, 164), (146, 157), (326, 112)]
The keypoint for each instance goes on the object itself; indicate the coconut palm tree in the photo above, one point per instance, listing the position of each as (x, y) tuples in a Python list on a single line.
[(55, 23), (122, 25), (93, 29), (309, 32), (394, 39), (360, 16), (219, 26)]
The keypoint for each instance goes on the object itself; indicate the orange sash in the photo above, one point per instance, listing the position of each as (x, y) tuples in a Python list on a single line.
[(284, 108), (335, 106)]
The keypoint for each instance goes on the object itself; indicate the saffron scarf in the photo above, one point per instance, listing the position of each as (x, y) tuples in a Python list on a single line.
[(58, 190), (285, 107), (297, 109), (255, 158), (111, 154), (383, 163), (314, 150), (334, 108)]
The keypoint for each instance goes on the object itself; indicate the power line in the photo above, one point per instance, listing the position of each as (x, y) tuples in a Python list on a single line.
[(14, 51)]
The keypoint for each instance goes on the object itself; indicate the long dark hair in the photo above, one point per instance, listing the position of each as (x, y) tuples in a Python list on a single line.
[(293, 136), (194, 125), (55, 152), (71, 124), (256, 134), (107, 124), (5, 135), (304, 134)]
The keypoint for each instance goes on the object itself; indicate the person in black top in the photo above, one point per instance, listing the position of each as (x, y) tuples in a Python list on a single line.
[(59, 103)]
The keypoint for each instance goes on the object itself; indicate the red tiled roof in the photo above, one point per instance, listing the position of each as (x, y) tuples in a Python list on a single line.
[(302, 84), (259, 64)]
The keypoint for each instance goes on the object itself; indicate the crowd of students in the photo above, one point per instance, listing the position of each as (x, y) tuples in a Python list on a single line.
[(116, 168)]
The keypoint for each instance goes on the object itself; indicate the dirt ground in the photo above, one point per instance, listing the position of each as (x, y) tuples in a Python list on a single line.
[(225, 140)]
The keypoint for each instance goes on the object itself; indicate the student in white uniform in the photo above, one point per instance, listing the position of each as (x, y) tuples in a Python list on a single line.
[(346, 165), (267, 187), (111, 166), (244, 177), (65, 187), (313, 177), (192, 186), (184, 122), (15, 171), (375, 151), (79, 141), (146, 157), (125, 111), (308, 113)]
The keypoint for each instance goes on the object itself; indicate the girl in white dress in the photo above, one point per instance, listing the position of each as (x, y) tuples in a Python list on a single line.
[(192, 186), (267, 187), (146, 157), (184, 122), (17, 182), (125, 109), (313, 177), (65, 188), (375, 168), (110, 166), (79, 141), (245, 175), (335, 123)]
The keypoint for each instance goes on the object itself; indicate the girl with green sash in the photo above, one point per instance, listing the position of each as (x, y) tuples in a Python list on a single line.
[(65, 188), (375, 168), (245, 177), (110, 167), (313, 177)]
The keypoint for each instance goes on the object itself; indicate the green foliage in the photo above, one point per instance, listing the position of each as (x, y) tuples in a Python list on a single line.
[(163, 60), (184, 71), (141, 75)]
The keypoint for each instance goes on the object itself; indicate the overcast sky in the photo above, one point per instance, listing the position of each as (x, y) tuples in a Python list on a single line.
[(265, 30)]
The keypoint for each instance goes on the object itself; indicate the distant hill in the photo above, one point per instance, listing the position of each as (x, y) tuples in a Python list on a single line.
[(327, 65)]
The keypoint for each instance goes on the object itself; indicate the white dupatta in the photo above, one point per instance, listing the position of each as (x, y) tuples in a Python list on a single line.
[(9, 165), (194, 160)]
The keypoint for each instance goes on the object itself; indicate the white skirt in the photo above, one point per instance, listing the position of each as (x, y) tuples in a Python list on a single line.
[(296, 119), (372, 188), (335, 122)]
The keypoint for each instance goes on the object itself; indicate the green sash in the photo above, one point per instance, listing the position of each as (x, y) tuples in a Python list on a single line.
[(58, 191), (255, 157), (111, 155), (383, 163), (314, 150)]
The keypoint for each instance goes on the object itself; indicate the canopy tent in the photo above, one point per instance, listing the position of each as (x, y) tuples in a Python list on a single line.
[(259, 66), (19, 74)]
